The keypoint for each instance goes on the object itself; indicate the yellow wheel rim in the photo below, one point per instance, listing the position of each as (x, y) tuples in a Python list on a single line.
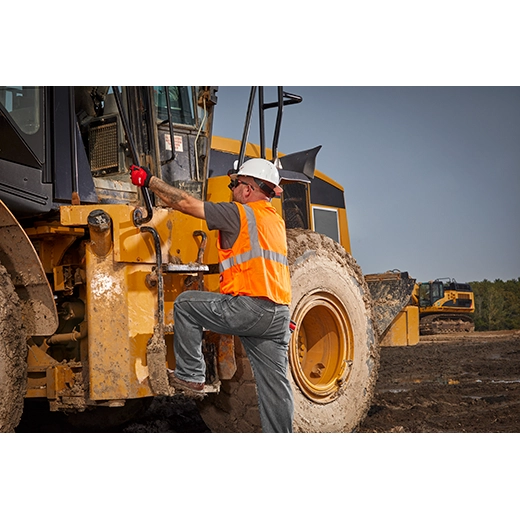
[(321, 349)]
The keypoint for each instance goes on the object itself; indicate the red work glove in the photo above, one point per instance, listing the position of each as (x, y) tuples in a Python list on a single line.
[(140, 176)]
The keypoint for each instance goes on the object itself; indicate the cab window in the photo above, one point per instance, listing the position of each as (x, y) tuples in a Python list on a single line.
[(424, 295), (326, 222), (437, 291), (23, 105), (181, 104)]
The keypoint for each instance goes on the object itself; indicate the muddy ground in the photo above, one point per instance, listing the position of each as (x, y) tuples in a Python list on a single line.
[(458, 383)]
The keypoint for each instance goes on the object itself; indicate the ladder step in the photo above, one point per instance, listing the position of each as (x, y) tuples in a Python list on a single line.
[(185, 268)]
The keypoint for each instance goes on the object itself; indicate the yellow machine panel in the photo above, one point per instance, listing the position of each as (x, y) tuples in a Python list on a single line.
[(404, 330), (122, 299)]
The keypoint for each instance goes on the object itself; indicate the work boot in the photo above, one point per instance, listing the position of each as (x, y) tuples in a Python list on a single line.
[(189, 389)]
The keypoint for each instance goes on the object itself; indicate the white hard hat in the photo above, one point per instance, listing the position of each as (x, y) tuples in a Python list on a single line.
[(263, 170)]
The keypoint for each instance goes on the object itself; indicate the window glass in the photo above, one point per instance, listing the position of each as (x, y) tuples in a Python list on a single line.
[(294, 205), (326, 222), (181, 104), (325, 194), (424, 295), (23, 105), (437, 291)]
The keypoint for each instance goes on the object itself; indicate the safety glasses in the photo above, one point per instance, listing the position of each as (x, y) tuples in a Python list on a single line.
[(235, 182)]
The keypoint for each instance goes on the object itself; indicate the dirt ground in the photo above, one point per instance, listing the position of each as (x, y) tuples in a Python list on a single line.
[(457, 383)]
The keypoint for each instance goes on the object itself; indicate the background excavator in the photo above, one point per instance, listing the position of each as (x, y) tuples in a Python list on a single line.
[(445, 306), (90, 266)]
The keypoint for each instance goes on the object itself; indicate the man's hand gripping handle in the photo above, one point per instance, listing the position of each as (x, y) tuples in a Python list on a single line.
[(140, 176)]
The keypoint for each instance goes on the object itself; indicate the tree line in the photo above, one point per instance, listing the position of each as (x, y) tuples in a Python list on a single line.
[(497, 305)]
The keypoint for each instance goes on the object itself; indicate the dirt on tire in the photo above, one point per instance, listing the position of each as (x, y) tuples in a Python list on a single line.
[(13, 366)]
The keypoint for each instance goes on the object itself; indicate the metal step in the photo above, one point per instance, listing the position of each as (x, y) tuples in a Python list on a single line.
[(192, 267)]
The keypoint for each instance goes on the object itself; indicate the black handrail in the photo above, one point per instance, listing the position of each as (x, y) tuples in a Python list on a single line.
[(247, 126), (137, 217), (284, 99), (170, 125), (158, 263)]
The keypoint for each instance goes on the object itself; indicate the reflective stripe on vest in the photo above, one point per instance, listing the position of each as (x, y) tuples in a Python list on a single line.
[(256, 251)]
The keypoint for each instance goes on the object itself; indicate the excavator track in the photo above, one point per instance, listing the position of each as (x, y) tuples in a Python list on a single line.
[(445, 324)]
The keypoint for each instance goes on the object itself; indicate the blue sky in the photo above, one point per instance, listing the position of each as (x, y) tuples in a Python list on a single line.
[(431, 174)]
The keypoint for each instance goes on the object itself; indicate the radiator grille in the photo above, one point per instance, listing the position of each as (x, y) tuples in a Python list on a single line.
[(104, 149)]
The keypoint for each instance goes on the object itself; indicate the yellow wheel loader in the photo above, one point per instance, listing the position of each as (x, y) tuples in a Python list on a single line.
[(90, 266)]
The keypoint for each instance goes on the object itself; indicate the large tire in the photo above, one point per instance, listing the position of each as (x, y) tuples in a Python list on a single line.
[(333, 353), (13, 356), (235, 407)]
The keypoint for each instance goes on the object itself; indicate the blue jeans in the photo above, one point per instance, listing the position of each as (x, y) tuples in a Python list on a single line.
[(263, 328)]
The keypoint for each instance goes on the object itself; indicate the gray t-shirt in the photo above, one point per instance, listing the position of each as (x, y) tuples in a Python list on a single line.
[(225, 217)]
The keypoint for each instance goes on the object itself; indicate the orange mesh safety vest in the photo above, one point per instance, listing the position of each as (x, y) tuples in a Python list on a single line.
[(257, 265)]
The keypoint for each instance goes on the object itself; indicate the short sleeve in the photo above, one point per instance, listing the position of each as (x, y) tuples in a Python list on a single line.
[(225, 217)]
